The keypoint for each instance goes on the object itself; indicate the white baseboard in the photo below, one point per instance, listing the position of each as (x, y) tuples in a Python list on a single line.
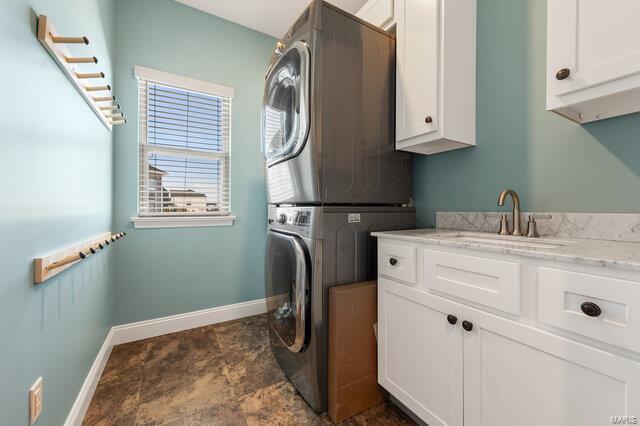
[(126, 333), (156, 327), (81, 404)]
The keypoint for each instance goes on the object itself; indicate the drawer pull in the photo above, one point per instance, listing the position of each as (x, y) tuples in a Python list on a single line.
[(393, 261), (590, 309), (452, 319), (468, 326)]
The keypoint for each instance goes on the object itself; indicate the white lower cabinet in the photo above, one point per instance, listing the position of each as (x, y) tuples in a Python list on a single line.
[(420, 352), (515, 374), (452, 363)]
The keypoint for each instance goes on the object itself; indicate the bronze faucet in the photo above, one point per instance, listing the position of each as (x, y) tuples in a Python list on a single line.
[(516, 209)]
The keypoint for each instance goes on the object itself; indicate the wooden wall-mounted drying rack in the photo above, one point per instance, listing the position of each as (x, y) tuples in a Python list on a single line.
[(54, 263), (102, 104)]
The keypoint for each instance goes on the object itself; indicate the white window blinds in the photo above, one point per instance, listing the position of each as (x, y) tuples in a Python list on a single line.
[(184, 146)]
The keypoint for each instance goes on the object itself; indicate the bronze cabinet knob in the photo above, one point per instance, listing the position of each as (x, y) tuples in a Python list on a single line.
[(563, 73), (590, 309), (428, 119)]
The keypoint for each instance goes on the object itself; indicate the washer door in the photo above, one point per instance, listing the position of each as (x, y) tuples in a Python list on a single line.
[(287, 282), (285, 106)]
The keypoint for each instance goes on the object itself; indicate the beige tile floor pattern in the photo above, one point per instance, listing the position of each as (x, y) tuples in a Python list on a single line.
[(222, 374)]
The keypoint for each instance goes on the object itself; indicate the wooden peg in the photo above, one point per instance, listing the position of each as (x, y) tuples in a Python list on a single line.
[(76, 40), (67, 61), (110, 107), (97, 88), (123, 121), (104, 98), (62, 262), (52, 264), (92, 60), (115, 115), (90, 75)]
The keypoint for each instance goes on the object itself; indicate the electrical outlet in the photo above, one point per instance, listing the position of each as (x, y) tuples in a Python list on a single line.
[(35, 400)]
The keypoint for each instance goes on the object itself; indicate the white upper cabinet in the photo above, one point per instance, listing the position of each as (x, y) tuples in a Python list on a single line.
[(435, 71), (593, 58), (435, 75), (417, 69), (378, 13)]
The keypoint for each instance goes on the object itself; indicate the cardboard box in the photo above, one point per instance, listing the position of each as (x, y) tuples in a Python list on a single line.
[(353, 360)]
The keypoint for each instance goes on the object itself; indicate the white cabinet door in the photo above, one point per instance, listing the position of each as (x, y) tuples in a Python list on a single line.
[(420, 352), (435, 75), (597, 42), (417, 39), (515, 374), (593, 58)]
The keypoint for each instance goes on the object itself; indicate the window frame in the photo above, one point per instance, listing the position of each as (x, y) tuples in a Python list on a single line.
[(184, 83)]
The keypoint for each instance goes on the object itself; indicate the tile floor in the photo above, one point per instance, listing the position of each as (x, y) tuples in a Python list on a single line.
[(223, 374)]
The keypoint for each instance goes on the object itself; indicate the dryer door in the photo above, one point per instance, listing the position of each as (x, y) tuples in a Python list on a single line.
[(287, 289), (285, 106)]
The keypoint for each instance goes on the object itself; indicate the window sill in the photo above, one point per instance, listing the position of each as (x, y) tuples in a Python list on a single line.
[(148, 222)]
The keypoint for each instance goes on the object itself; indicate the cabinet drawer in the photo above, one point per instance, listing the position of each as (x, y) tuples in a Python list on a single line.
[(615, 316), (377, 12), (397, 261), (489, 282)]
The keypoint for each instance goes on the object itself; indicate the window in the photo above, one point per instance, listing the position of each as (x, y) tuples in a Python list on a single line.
[(184, 138)]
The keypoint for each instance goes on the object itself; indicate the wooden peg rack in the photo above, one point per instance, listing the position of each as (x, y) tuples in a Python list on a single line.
[(92, 93), (52, 264)]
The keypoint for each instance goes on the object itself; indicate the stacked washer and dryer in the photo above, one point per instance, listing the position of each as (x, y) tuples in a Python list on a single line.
[(333, 177)]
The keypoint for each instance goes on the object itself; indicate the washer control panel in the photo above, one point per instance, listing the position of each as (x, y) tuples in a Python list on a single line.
[(293, 219)]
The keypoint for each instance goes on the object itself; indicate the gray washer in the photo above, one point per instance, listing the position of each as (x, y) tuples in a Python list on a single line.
[(310, 249)]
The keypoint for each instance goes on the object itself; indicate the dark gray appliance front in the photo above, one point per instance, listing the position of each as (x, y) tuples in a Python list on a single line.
[(340, 250)]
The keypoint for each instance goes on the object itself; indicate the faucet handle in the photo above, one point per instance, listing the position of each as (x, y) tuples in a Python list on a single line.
[(532, 228), (504, 225)]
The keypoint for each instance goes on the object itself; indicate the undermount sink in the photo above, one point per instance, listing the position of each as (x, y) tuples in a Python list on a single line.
[(508, 240)]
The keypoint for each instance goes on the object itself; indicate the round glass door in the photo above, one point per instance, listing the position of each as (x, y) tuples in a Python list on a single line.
[(285, 106), (287, 283)]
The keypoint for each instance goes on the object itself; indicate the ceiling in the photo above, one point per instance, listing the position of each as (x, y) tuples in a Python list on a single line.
[(273, 17)]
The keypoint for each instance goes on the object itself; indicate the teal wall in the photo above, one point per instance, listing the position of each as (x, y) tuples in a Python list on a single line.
[(553, 163), (169, 271), (59, 175), (56, 180)]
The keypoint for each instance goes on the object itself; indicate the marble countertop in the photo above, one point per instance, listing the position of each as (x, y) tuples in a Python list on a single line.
[(608, 254)]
